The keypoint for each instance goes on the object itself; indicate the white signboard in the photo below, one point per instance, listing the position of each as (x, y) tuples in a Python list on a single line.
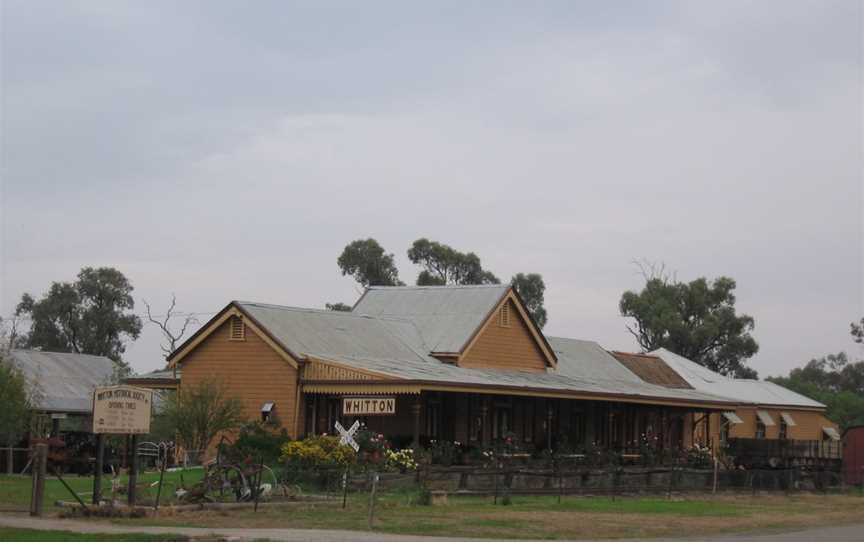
[(122, 410), (347, 435), (368, 406)]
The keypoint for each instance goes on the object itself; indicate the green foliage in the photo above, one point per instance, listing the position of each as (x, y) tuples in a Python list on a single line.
[(857, 331), (16, 403), (423, 497), (198, 412), (89, 316), (341, 307), (833, 381), (531, 287), (696, 320), (10, 534), (444, 265), (366, 261), (260, 440)]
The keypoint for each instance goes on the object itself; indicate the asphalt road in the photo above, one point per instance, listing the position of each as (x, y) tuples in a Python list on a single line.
[(848, 533)]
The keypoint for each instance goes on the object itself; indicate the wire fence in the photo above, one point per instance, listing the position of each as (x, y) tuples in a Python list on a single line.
[(527, 481)]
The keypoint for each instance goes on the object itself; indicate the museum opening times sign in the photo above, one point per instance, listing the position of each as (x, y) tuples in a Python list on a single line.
[(368, 406), (123, 410)]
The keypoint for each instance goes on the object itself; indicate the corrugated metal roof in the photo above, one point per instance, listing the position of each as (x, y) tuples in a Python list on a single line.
[(397, 348), (326, 334), (162, 374), (445, 316), (588, 360), (63, 382), (757, 392), (651, 369)]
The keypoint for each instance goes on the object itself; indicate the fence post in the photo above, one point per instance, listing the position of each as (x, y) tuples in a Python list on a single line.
[(10, 457), (133, 471), (345, 487), (100, 466), (372, 500), (716, 473), (40, 464)]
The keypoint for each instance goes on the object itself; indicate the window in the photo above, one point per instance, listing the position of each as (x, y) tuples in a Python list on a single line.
[(783, 429), (433, 418), (724, 432), (503, 421), (238, 329), (504, 315), (760, 429), (268, 412)]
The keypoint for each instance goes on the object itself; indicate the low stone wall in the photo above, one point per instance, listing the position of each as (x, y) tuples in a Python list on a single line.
[(601, 481)]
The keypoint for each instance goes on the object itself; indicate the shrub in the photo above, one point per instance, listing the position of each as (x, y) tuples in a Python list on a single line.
[(402, 461), (316, 452), (259, 440)]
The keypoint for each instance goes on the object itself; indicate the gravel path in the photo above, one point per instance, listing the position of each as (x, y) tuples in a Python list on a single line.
[(847, 533)]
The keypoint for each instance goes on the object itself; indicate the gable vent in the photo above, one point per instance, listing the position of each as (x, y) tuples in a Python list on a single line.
[(504, 315), (238, 329)]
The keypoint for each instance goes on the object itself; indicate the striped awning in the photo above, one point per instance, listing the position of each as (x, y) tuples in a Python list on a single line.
[(832, 433), (787, 418), (765, 418), (731, 417)]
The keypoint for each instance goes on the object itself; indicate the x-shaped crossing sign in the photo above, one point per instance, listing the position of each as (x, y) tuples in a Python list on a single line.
[(347, 435)]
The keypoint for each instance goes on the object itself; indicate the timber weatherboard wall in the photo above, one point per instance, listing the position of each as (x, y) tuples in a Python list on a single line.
[(251, 370), (505, 347), (808, 424)]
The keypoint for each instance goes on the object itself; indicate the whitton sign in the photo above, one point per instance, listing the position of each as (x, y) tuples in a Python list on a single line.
[(122, 410), (368, 406)]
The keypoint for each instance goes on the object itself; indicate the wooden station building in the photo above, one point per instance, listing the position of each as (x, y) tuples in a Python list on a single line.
[(462, 363)]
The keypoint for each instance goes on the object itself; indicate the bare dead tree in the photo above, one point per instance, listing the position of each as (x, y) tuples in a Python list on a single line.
[(9, 334), (163, 322), (651, 270)]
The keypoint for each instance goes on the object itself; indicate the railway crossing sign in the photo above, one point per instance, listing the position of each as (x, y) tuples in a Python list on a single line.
[(347, 435)]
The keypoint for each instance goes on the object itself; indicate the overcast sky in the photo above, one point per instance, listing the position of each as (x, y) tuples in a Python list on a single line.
[(230, 150)]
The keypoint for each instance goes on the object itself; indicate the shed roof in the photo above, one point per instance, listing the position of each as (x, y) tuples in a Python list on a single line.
[(63, 382), (652, 369), (758, 392)]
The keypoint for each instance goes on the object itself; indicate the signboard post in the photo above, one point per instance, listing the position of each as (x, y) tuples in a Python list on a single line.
[(120, 410)]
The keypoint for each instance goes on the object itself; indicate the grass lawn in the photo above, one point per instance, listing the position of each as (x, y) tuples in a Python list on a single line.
[(15, 490), (544, 518), (34, 535)]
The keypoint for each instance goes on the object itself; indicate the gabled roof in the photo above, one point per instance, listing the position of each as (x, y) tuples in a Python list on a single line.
[(651, 369), (335, 334), (396, 342), (445, 316), (757, 392), (63, 382), (588, 360)]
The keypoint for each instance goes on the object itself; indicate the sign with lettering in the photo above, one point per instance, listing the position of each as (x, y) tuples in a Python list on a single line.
[(368, 406), (122, 410)]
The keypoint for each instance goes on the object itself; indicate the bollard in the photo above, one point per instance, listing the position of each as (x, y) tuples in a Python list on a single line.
[(40, 465)]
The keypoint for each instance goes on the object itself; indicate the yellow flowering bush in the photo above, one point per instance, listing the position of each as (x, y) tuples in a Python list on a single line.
[(317, 451), (403, 460)]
